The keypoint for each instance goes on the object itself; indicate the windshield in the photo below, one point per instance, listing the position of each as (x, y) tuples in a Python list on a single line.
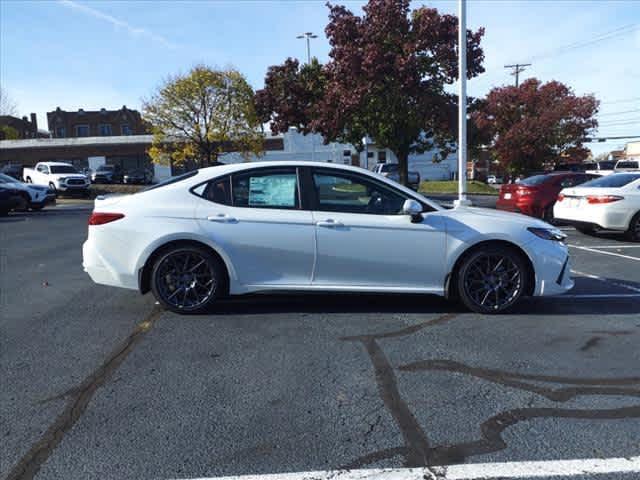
[(63, 169), (105, 168), (7, 179), (607, 165), (535, 180), (612, 181)]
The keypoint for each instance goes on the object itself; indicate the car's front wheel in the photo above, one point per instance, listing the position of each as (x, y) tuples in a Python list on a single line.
[(492, 279), (187, 279)]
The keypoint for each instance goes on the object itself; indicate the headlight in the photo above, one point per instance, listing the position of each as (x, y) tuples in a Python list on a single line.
[(62, 179), (548, 233)]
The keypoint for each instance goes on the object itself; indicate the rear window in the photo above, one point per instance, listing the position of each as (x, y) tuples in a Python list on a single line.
[(607, 165), (629, 164), (613, 181), (389, 167), (535, 180), (172, 180)]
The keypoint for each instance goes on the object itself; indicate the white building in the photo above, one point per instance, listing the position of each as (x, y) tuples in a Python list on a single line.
[(312, 148)]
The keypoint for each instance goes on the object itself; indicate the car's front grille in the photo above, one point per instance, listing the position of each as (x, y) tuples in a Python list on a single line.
[(75, 181)]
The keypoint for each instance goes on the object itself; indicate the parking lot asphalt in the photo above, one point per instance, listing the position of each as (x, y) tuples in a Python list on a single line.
[(99, 382)]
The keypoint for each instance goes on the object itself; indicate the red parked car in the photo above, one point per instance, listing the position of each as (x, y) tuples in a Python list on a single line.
[(536, 195)]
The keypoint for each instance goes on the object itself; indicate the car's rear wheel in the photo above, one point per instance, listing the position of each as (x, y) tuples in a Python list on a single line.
[(633, 233), (492, 279), (547, 215), (187, 279)]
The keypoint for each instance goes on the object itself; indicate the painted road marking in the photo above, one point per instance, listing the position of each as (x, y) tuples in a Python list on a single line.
[(478, 471), (605, 280), (605, 252), (614, 246), (601, 295)]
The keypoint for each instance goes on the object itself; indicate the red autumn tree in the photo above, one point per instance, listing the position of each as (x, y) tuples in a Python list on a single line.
[(386, 78), (536, 123)]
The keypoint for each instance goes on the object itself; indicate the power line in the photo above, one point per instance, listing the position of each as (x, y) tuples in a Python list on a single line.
[(585, 43), (618, 113), (623, 100), (622, 121)]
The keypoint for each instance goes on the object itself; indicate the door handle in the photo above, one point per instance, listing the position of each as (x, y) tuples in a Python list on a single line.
[(221, 218), (329, 223)]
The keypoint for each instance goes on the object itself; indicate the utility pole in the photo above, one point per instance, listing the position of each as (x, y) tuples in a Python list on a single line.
[(518, 68), (462, 105), (308, 36)]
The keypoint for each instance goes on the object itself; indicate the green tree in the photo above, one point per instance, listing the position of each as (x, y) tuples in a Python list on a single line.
[(202, 115)]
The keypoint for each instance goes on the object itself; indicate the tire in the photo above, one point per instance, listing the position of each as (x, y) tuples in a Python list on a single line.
[(29, 180), (492, 279), (180, 279), (23, 204), (53, 188), (633, 233), (547, 214), (37, 207)]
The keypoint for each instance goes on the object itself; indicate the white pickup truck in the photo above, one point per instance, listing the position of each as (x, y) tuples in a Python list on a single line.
[(60, 177)]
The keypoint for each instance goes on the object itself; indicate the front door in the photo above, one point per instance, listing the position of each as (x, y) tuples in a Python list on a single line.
[(256, 218), (363, 239)]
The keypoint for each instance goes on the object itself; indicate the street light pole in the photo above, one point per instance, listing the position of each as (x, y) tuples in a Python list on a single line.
[(462, 104), (308, 36)]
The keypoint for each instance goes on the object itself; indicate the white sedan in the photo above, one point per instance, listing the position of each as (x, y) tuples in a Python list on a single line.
[(282, 226), (610, 203)]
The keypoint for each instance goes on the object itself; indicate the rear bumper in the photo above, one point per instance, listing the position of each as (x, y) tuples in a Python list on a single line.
[(611, 218), (100, 271)]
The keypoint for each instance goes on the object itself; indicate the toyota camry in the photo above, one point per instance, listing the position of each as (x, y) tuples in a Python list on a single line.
[(303, 226)]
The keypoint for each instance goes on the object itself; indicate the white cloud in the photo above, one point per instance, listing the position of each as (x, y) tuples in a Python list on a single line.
[(116, 22)]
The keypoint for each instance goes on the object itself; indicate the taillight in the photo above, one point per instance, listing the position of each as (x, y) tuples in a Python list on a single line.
[(100, 218), (524, 191), (560, 197), (596, 199)]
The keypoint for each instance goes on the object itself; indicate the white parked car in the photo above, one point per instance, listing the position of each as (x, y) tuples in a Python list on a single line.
[(282, 226), (34, 197), (629, 165), (611, 203), (59, 176)]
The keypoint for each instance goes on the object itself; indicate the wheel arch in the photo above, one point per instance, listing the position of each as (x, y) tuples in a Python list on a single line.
[(144, 272), (451, 277)]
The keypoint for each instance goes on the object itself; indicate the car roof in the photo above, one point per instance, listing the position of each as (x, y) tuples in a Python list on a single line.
[(57, 164)]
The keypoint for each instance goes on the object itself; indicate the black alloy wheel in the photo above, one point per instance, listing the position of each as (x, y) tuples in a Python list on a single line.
[(491, 280), (187, 279), (633, 233)]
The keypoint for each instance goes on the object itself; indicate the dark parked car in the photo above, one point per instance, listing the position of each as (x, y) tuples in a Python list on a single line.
[(14, 171), (107, 174), (138, 176), (536, 195), (10, 197)]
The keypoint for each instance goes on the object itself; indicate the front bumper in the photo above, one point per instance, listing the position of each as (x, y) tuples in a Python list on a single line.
[(552, 265)]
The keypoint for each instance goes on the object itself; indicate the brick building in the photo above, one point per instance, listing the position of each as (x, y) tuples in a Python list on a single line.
[(22, 127), (95, 123)]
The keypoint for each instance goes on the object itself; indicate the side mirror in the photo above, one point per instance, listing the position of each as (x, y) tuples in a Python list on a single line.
[(413, 209)]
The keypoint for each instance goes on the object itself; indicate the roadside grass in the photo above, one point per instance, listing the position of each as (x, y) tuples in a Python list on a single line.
[(451, 187)]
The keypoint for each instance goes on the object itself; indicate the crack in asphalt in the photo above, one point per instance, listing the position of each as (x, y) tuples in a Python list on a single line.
[(417, 451), (79, 398)]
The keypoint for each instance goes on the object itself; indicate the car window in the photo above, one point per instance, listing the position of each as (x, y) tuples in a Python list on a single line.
[(607, 165), (266, 189), (569, 182), (218, 191), (535, 180), (63, 169), (627, 164), (613, 181), (348, 193)]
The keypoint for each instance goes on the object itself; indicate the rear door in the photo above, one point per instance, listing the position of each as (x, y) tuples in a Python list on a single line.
[(256, 218), (363, 239)]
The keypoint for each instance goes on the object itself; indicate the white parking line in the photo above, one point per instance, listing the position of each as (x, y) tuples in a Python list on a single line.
[(606, 280), (637, 259), (478, 471), (615, 246), (601, 295)]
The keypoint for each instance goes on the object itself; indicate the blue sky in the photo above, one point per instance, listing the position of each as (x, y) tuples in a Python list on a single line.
[(94, 54)]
